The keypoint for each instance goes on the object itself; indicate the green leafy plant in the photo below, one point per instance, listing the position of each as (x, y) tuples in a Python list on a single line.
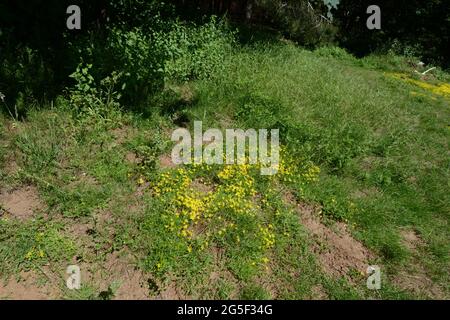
[(141, 61), (95, 102), (195, 51)]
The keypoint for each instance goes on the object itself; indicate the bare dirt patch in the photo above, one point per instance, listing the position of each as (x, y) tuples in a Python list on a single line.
[(26, 287), (337, 251), (165, 162), (416, 280), (201, 186), (132, 282), (122, 134), (171, 292), (132, 158), (21, 203), (78, 230), (411, 239), (119, 272), (319, 293)]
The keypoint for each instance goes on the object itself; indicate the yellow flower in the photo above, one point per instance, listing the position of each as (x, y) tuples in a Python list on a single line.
[(29, 254)]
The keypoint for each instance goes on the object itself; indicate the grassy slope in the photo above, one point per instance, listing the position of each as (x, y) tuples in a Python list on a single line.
[(383, 154), (369, 133)]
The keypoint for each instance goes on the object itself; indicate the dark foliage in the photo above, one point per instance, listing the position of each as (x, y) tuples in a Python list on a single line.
[(416, 27)]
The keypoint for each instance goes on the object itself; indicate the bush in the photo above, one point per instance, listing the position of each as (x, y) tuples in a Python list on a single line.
[(140, 59), (39, 52), (130, 53), (195, 51), (91, 102), (146, 61), (335, 52)]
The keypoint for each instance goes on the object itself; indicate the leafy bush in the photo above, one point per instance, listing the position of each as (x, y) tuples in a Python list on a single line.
[(39, 52), (335, 52), (195, 51), (146, 61), (94, 102), (140, 60)]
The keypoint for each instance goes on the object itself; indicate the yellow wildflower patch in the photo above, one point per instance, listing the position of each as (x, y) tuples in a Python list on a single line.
[(231, 209), (441, 89)]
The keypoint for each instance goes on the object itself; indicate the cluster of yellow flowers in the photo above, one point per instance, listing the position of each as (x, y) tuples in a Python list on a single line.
[(191, 205), (286, 167), (236, 190), (441, 89), (169, 182), (35, 252), (234, 194), (188, 207), (311, 174), (291, 170), (197, 215), (267, 236)]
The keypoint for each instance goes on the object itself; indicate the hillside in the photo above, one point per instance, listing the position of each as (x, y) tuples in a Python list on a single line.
[(363, 180)]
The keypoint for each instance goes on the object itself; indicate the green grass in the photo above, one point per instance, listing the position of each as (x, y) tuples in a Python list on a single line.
[(382, 154), (31, 245), (365, 130)]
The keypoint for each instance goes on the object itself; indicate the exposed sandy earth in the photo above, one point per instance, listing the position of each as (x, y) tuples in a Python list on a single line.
[(21, 203)]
